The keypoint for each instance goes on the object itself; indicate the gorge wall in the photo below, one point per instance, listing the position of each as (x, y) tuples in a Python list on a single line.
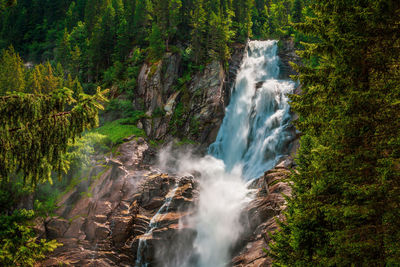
[(195, 110), (105, 220)]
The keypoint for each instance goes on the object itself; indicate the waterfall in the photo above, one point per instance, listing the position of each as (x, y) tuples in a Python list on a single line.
[(154, 223), (254, 135), (252, 138), (254, 132)]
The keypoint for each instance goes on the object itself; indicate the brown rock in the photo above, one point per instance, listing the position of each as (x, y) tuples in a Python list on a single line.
[(56, 227)]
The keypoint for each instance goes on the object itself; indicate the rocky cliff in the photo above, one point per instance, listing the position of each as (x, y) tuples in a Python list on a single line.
[(194, 108), (128, 211), (104, 225)]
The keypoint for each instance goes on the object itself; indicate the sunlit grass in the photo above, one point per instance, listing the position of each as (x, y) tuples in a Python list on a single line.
[(117, 130)]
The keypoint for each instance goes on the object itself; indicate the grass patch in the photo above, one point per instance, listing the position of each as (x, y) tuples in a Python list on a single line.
[(117, 130), (186, 141)]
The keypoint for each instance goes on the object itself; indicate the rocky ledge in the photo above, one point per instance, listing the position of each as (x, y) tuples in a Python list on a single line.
[(128, 212), (102, 225), (194, 110), (261, 214)]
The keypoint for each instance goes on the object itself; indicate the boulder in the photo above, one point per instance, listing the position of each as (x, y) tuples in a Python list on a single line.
[(56, 227)]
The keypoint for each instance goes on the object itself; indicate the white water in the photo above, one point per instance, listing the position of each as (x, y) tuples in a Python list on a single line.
[(154, 223), (252, 138), (222, 196), (253, 133)]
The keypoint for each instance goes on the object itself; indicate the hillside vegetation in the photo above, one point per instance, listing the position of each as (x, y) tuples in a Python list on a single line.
[(59, 56)]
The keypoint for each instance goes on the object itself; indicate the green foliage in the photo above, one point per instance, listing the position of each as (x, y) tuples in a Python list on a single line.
[(35, 131), (157, 47), (6, 3), (12, 73), (19, 245), (178, 119), (80, 152), (344, 209), (117, 130)]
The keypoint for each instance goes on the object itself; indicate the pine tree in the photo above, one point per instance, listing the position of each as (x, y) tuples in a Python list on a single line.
[(123, 44), (43, 80), (64, 49), (242, 19), (157, 47), (198, 38), (93, 11), (35, 130), (344, 210), (141, 21), (12, 73), (220, 36), (297, 11), (102, 43), (174, 18), (75, 61)]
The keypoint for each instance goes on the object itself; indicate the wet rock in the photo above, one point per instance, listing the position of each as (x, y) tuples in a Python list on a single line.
[(260, 217), (104, 225)]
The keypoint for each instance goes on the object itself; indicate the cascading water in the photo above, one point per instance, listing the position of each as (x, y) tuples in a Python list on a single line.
[(152, 226), (252, 138), (254, 132)]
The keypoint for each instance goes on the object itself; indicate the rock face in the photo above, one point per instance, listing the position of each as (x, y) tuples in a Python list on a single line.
[(287, 54), (128, 212), (194, 109), (103, 226), (260, 216), (133, 213)]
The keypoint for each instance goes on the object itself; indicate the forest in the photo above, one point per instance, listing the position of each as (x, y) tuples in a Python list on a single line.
[(69, 72)]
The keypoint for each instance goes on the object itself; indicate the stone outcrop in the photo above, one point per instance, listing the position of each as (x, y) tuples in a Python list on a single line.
[(287, 54), (103, 225), (133, 212), (260, 216), (128, 211), (202, 100)]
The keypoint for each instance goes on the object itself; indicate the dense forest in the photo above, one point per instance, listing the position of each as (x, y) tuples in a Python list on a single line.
[(59, 57)]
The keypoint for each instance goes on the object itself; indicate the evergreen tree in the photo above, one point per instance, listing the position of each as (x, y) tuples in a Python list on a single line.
[(141, 21), (297, 11), (35, 130), (242, 19), (198, 38), (344, 209), (64, 49), (123, 44), (12, 73), (93, 11), (174, 18), (102, 43), (220, 36), (157, 47)]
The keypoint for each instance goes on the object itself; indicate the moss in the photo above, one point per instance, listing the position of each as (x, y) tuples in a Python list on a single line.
[(178, 119), (153, 69), (158, 113), (186, 141), (117, 130), (86, 194), (194, 126), (156, 143)]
